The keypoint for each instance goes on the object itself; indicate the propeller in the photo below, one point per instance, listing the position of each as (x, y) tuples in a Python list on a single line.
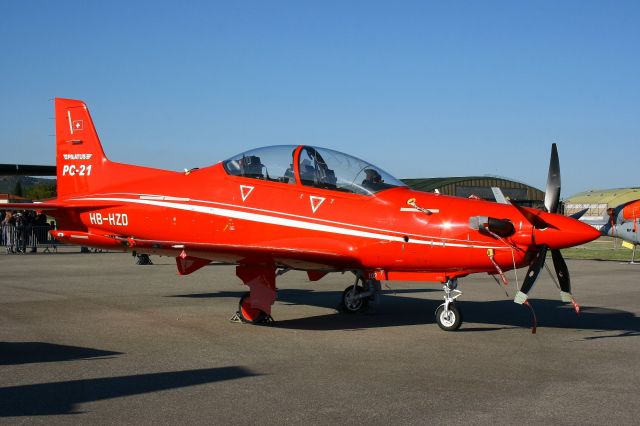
[(551, 203)]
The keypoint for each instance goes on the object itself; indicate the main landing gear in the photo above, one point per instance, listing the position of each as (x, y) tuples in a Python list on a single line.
[(448, 316), (255, 306), (248, 314), (356, 297)]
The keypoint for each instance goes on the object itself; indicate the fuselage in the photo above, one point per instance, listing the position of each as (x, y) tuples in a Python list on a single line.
[(380, 231), (628, 231)]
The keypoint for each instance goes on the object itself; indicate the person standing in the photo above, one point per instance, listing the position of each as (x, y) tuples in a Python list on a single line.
[(21, 233), (8, 231)]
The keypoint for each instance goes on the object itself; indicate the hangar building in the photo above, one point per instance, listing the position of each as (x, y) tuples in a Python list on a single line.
[(518, 192)]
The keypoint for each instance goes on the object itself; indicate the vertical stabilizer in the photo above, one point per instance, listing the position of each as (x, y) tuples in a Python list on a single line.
[(80, 160)]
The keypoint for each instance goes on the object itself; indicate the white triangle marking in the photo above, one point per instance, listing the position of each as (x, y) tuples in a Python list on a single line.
[(245, 191), (316, 202)]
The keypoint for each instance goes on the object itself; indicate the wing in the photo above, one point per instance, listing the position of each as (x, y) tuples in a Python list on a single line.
[(205, 252), (242, 254)]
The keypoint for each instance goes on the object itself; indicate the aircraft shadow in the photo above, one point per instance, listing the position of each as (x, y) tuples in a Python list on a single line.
[(62, 397), (402, 311), (399, 310), (321, 299), (13, 353)]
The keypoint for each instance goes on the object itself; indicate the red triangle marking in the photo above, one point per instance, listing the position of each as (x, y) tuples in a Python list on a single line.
[(316, 202), (245, 191)]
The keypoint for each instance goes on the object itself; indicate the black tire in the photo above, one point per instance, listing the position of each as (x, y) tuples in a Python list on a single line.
[(249, 314), (454, 320), (351, 305), (143, 259)]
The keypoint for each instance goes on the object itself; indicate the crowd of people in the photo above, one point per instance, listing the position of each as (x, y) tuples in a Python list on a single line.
[(22, 230)]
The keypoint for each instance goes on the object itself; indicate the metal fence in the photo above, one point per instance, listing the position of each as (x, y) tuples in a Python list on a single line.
[(25, 238)]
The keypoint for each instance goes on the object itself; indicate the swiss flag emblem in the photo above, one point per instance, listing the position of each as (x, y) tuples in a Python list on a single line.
[(77, 125)]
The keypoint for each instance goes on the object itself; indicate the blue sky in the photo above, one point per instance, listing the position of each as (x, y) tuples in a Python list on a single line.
[(419, 88)]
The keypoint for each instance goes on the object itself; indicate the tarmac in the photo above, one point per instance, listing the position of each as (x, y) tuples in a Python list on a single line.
[(96, 339)]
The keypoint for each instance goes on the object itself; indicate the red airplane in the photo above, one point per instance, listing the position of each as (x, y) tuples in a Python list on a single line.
[(623, 223), (280, 208)]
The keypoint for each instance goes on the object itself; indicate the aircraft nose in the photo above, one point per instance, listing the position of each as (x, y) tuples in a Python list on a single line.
[(564, 232)]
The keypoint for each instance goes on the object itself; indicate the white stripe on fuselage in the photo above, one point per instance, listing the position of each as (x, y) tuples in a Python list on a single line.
[(272, 212), (439, 240), (292, 223)]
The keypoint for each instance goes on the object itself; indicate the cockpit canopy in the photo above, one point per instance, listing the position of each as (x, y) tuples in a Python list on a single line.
[(317, 167)]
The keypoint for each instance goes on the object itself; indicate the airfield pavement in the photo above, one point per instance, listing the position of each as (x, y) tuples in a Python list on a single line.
[(95, 339)]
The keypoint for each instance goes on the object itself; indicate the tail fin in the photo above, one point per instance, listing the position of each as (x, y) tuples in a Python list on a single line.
[(80, 159)]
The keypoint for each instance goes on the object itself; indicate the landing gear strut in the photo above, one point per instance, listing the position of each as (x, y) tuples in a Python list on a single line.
[(448, 316), (356, 297)]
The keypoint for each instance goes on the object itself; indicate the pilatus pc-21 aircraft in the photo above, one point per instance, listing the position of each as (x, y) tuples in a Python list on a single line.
[(274, 209)]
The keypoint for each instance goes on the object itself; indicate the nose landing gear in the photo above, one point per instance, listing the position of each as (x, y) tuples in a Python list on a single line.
[(448, 316)]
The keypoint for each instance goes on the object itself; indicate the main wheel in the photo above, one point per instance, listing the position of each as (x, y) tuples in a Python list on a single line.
[(350, 303), (248, 313), (451, 320)]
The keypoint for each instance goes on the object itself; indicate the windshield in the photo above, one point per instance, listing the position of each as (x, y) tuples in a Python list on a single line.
[(274, 163), (319, 167), (325, 168)]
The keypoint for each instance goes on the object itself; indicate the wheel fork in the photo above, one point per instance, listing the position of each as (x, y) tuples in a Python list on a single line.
[(450, 293)]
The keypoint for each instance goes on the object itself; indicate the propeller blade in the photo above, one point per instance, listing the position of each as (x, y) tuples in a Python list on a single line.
[(532, 275), (499, 195), (579, 214), (562, 272), (552, 194), (533, 219), (563, 275)]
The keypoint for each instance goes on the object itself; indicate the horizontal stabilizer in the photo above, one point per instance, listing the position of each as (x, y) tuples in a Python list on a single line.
[(49, 206), (32, 206), (26, 170)]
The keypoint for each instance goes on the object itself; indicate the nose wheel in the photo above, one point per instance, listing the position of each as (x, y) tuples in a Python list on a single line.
[(448, 316), (450, 319)]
